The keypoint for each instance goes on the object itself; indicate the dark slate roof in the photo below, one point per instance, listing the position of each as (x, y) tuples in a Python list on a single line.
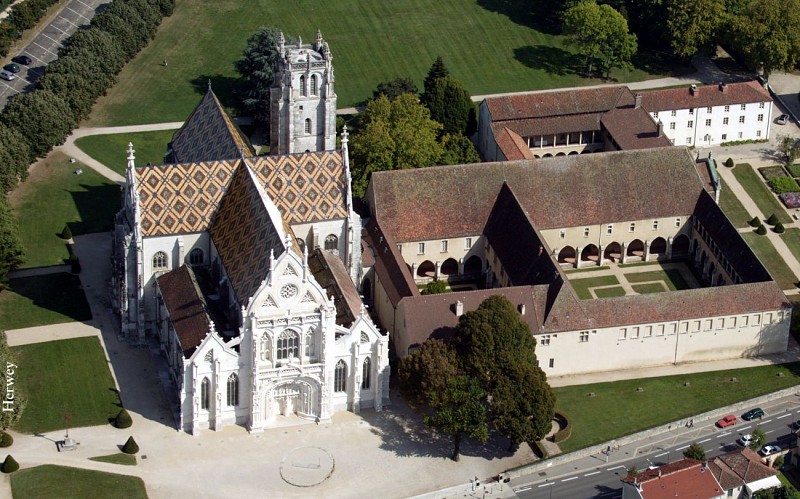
[(704, 96), (330, 273), (738, 468), (558, 103), (633, 128), (567, 191), (208, 134), (186, 307), (390, 267)]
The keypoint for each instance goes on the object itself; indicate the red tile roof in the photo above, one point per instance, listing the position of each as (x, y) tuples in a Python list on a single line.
[(705, 96), (558, 103), (511, 144), (687, 479), (186, 307), (330, 273), (738, 468), (533, 127), (633, 128), (391, 269)]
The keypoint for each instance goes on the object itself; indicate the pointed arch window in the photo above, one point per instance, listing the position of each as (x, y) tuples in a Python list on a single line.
[(340, 377), (331, 242), (313, 84), (159, 260), (264, 348), (303, 85), (233, 390), (287, 345), (204, 393), (196, 257), (308, 126), (366, 368), (310, 346)]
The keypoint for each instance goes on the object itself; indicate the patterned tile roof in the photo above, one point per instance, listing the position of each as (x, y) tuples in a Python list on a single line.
[(183, 198), (208, 134), (705, 96), (558, 103)]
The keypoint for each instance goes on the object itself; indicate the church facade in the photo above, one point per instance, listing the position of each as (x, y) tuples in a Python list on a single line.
[(242, 267)]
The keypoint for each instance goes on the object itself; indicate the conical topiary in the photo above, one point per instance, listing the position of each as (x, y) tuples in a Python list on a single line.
[(755, 222), (10, 465), (761, 230), (66, 234), (729, 162), (6, 439), (123, 419), (773, 219), (779, 229), (130, 446)]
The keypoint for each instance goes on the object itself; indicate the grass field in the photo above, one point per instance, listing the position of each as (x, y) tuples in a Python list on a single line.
[(125, 459), (488, 45), (609, 292), (600, 418), (65, 377), (54, 196), (792, 239), (46, 299), (776, 266), (652, 287), (111, 149), (672, 278), (60, 482), (732, 207), (759, 192), (582, 286)]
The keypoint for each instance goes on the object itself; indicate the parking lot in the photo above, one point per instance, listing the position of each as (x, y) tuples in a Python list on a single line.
[(44, 47)]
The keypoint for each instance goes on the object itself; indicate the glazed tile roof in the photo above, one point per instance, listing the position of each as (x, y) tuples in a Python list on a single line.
[(208, 134), (330, 273), (183, 198), (567, 191), (186, 307), (558, 103), (705, 96)]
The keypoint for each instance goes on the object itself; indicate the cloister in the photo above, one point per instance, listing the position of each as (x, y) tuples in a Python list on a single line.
[(449, 268), (624, 252)]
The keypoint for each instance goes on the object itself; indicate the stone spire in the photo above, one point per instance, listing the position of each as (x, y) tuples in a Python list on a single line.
[(346, 160), (318, 43), (299, 41), (131, 157), (281, 45)]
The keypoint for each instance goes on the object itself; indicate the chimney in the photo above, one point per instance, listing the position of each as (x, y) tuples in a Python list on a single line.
[(660, 129), (522, 309), (459, 308), (637, 101), (693, 90), (722, 86)]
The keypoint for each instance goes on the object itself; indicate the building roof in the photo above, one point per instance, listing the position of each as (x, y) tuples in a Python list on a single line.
[(558, 103), (687, 479), (183, 198), (390, 267), (208, 134), (704, 96), (565, 191), (511, 144), (738, 468), (634, 128), (329, 271), (551, 125), (186, 307)]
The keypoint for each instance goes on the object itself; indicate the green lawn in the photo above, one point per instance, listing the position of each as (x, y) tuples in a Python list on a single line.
[(618, 409), (792, 239), (125, 459), (54, 196), (653, 287), (732, 207), (759, 192), (672, 278), (609, 292), (582, 286), (111, 150), (766, 252), (65, 377), (60, 482), (488, 45), (46, 299)]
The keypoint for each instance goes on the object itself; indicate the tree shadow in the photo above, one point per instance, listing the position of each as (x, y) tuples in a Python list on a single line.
[(552, 60), (97, 205), (661, 63), (59, 292), (224, 87), (541, 15)]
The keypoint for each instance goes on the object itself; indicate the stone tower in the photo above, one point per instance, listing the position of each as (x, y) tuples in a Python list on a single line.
[(302, 100)]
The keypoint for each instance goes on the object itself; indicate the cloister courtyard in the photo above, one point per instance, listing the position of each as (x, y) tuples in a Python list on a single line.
[(614, 279)]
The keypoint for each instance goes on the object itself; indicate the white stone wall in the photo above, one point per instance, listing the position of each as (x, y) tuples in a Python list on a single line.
[(690, 127)]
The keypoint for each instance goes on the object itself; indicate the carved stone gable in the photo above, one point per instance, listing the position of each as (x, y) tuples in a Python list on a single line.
[(289, 271)]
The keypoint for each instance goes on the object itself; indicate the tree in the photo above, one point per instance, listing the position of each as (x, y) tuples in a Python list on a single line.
[(437, 70), (601, 34), (692, 24), (784, 492), (451, 105), (15, 156), (11, 250), (424, 373), (6, 440), (762, 35), (41, 117), (256, 68), (695, 451), (459, 410), (130, 447), (394, 88), (393, 135), (759, 438), (788, 146), (632, 471), (498, 349), (458, 150)]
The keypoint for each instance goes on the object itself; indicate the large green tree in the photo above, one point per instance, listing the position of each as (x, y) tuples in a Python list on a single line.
[(764, 34), (451, 105), (393, 88), (11, 251), (425, 372), (600, 33), (15, 155), (693, 23), (393, 135), (436, 71), (695, 451), (498, 349), (41, 117), (458, 150), (256, 68)]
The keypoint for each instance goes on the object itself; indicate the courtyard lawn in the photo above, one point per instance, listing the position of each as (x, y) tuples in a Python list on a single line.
[(65, 377), (671, 277), (60, 482), (792, 239), (489, 46), (582, 286), (125, 459), (45, 299), (732, 207), (609, 292), (769, 256), (617, 409), (653, 287), (111, 150), (759, 192), (53, 196)]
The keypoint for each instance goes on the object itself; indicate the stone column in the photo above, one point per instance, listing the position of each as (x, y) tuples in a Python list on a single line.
[(600, 251), (646, 250), (438, 269), (460, 266), (669, 248), (578, 257), (623, 252)]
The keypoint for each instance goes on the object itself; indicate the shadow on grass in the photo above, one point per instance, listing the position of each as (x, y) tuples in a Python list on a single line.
[(541, 15), (60, 293), (97, 205), (552, 60), (225, 88), (661, 63)]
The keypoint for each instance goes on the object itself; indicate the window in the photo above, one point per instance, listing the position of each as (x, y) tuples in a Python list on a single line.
[(674, 112), (313, 84), (421, 249), (609, 229), (660, 330), (204, 395), (708, 122), (287, 345), (725, 120), (648, 331), (443, 247), (741, 119), (731, 322), (310, 349), (724, 136), (672, 328), (399, 248), (678, 222), (623, 333), (331, 242), (655, 114), (709, 109), (708, 325), (552, 363), (544, 340), (340, 377), (688, 140), (672, 126), (563, 233), (468, 243), (719, 323), (308, 126), (684, 327), (655, 224), (634, 332), (758, 133), (691, 110), (756, 320), (761, 105), (760, 117), (727, 108), (632, 227), (768, 318), (695, 326), (365, 371), (584, 336), (233, 390), (196, 257), (690, 124), (159, 260), (264, 347), (744, 107), (586, 232), (303, 85)]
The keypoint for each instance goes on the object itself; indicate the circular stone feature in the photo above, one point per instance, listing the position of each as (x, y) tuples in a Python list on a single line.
[(288, 291), (307, 466)]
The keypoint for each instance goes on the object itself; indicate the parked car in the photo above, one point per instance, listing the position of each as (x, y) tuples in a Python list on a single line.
[(768, 450), (22, 59), (7, 75), (745, 440), (12, 68), (753, 414), (728, 420), (783, 119)]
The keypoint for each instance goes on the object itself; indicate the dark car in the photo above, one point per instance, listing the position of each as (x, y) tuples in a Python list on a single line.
[(753, 414), (22, 59), (11, 68)]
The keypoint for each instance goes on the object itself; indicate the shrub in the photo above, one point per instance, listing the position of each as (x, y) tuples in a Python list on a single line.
[(794, 170), (435, 288), (790, 199), (755, 222), (770, 172), (566, 431), (123, 419), (773, 219), (783, 184), (779, 229), (778, 462), (729, 162), (130, 446), (10, 465), (66, 234), (6, 439), (761, 230)]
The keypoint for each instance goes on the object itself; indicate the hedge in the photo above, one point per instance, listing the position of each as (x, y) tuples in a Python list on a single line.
[(784, 184), (566, 424), (123, 419), (6, 439), (130, 447), (794, 170), (539, 450), (770, 172), (755, 222), (10, 465)]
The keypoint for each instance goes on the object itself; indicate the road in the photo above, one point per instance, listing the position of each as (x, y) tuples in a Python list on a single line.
[(603, 481)]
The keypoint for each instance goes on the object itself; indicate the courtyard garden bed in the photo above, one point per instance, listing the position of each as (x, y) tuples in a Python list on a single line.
[(759, 193), (771, 259), (60, 482), (582, 286), (671, 277)]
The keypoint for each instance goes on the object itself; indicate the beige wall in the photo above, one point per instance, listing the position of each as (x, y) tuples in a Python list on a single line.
[(459, 249)]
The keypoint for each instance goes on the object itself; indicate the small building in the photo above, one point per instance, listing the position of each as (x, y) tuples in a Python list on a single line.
[(687, 478), (743, 472)]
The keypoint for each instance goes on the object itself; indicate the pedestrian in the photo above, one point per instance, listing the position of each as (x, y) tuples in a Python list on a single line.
[(165, 62), (691, 423)]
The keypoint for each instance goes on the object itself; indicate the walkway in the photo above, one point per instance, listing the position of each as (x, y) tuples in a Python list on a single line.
[(614, 269)]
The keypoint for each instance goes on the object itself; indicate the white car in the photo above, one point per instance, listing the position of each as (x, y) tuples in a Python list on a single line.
[(768, 450), (7, 75), (745, 440), (783, 119)]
